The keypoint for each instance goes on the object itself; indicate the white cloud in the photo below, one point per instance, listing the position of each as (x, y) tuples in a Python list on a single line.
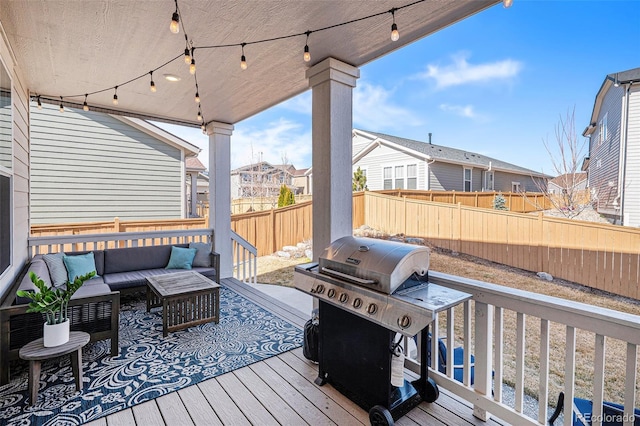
[(374, 109), (462, 72), (278, 139), (463, 111), (300, 104)]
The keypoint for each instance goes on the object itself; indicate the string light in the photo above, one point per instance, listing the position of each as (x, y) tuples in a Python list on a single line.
[(39, 103), (61, 106), (197, 98), (115, 96), (243, 59), (307, 55), (192, 67), (507, 3), (85, 105), (187, 57), (175, 21), (204, 128), (199, 114), (395, 35), (152, 85)]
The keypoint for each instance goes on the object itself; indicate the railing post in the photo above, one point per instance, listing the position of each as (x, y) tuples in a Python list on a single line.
[(484, 356)]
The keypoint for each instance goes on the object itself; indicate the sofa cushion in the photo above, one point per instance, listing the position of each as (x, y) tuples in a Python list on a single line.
[(92, 287), (137, 258), (57, 269), (203, 255), (98, 257), (181, 258), (122, 280), (38, 267)]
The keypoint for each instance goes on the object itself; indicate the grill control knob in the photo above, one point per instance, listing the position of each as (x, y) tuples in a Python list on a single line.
[(372, 308), (331, 293), (344, 297), (404, 322), (357, 302), (319, 289)]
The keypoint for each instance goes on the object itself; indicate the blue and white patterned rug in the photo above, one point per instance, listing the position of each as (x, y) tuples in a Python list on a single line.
[(149, 365)]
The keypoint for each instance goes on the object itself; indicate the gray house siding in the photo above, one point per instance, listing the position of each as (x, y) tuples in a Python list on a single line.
[(89, 166), (18, 172), (503, 182), (445, 177), (632, 177), (604, 166)]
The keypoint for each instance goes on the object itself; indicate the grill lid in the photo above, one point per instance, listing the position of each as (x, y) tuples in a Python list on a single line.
[(377, 264)]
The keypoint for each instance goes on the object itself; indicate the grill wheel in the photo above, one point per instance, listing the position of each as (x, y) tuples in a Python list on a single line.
[(380, 416)]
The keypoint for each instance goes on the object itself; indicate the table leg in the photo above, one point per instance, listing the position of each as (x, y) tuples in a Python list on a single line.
[(34, 381), (165, 309), (148, 298), (76, 366)]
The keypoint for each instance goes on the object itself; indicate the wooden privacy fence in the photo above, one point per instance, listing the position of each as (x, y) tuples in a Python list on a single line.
[(522, 202), (600, 256)]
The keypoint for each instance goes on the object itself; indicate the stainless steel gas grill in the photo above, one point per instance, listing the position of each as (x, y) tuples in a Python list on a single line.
[(369, 290)]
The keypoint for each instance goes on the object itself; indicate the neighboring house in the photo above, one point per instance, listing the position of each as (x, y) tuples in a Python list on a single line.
[(391, 162), (302, 181), (569, 181), (194, 169), (614, 148), (91, 166), (260, 180)]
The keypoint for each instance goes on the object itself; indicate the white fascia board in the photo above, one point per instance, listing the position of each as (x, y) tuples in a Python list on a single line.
[(379, 141), (190, 150)]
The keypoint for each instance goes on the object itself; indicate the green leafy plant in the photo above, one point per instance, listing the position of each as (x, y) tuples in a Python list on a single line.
[(286, 197), (359, 180), (52, 301)]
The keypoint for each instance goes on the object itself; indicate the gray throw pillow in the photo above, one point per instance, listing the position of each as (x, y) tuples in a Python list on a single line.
[(203, 255), (57, 270)]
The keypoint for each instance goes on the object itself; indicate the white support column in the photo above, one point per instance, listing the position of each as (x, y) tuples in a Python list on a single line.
[(332, 82), (194, 194), (220, 192)]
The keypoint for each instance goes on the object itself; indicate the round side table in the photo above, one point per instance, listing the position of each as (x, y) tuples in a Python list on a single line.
[(35, 353)]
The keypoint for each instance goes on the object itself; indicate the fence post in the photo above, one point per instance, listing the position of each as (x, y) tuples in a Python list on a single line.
[(116, 224), (541, 259), (476, 200), (404, 219), (274, 247)]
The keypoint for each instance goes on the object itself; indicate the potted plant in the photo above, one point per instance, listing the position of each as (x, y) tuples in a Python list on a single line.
[(53, 302)]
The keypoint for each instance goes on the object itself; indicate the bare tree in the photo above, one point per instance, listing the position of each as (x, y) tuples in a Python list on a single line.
[(566, 154)]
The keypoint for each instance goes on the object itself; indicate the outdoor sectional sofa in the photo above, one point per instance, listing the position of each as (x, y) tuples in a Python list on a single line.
[(95, 307)]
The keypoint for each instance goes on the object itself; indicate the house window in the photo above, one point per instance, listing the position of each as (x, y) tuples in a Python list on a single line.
[(388, 177), (488, 181), (399, 177), (412, 176), (467, 180), (515, 186), (603, 129)]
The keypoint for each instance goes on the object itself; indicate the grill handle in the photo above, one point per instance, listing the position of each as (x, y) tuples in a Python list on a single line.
[(348, 277)]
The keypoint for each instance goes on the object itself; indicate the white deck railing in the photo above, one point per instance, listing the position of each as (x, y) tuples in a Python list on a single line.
[(482, 331), (245, 262), (245, 265)]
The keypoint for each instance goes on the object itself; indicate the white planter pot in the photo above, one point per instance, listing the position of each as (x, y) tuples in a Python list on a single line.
[(56, 334)]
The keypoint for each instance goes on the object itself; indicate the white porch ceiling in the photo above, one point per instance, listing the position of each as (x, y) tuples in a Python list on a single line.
[(74, 47)]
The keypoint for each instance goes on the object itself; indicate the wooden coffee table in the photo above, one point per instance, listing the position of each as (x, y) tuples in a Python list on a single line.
[(187, 299), (35, 352)]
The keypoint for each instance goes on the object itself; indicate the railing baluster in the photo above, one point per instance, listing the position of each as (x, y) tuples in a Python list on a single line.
[(466, 371), (434, 344), (543, 390), (569, 374), (499, 348), (484, 358), (451, 341), (598, 376), (630, 384), (520, 350)]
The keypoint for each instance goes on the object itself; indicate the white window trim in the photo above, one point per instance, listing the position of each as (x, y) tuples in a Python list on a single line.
[(603, 129), (515, 186), (464, 179), (486, 180), (393, 173)]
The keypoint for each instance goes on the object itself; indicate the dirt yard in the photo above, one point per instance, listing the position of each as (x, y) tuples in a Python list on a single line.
[(275, 270)]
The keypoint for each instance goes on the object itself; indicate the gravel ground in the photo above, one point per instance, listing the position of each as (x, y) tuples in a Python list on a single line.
[(587, 215)]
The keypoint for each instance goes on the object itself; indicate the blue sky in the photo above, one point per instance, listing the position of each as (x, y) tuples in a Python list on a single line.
[(496, 83)]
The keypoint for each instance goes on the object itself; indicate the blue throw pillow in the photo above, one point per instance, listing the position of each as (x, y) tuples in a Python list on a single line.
[(80, 265), (181, 258)]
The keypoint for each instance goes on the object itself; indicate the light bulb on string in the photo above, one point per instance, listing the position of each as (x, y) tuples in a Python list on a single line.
[(307, 55), (243, 59), (115, 96), (152, 85), (85, 105), (174, 27), (192, 67), (204, 128), (507, 3), (197, 98), (199, 116), (61, 106), (187, 56), (39, 103), (395, 35)]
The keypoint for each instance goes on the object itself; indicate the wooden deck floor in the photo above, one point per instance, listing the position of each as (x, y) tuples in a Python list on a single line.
[(277, 391)]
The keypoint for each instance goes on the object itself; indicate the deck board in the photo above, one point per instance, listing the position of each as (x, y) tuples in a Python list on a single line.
[(278, 390)]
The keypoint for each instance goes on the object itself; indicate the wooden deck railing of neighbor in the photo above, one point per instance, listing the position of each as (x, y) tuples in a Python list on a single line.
[(599, 351)]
